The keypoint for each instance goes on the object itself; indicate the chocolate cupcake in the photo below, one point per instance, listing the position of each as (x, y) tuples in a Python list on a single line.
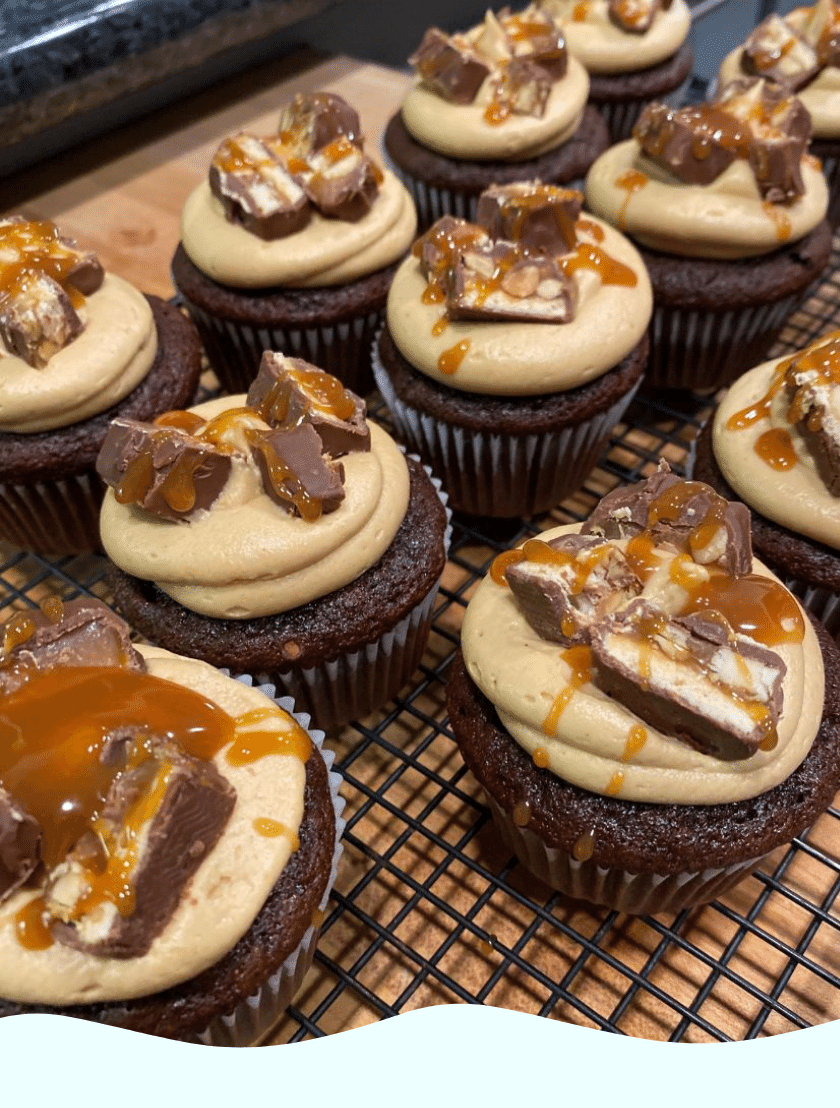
[(647, 708), (512, 348), (285, 537), (729, 214), (499, 103), (79, 346), (290, 244), (176, 889), (774, 443), (800, 51), (633, 53)]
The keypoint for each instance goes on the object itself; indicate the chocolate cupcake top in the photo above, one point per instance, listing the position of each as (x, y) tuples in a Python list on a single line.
[(251, 505), (303, 207), (532, 298), (621, 36), (504, 90), (776, 438), (800, 50), (729, 179), (646, 655), (74, 340), (149, 861)]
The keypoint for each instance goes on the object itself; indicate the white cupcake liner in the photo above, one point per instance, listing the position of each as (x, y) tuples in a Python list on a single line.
[(635, 893), (234, 349), (254, 1018), (703, 350), (53, 517), (822, 603), (487, 473)]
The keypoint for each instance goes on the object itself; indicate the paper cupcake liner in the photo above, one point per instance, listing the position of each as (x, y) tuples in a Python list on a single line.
[(620, 116), (487, 473), (822, 603), (234, 349), (635, 893), (53, 517), (704, 350), (254, 1019)]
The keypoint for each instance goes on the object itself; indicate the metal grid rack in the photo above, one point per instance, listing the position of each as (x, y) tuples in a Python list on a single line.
[(429, 907)]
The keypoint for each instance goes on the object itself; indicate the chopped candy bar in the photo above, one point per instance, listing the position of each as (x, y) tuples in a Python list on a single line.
[(453, 71), (774, 50), (341, 180), (496, 283), (539, 218), (813, 386), (636, 16), (250, 179), (314, 120), (37, 318), (295, 473)]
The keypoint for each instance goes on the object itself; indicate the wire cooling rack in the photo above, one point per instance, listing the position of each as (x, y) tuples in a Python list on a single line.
[(429, 907)]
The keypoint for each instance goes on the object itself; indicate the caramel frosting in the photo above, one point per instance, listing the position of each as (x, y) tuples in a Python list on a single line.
[(821, 92), (324, 252), (464, 131), (243, 557), (604, 47), (547, 701), (766, 458), (227, 890), (103, 363), (724, 219), (520, 358)]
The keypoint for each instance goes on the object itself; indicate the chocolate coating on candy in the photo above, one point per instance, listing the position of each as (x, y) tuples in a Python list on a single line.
[(164, 469), (498, 282), (341, 182), (314, 120), (20, 835), (774, 50), (249, 177), (452, 70), (540, 218), (636, 16), (812, 384), (188, 820), (295, 473)]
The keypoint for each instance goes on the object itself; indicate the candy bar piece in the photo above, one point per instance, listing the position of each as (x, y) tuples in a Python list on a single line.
[(159, 822), (498, 283), (20, 835), (525, 87), (251, 181), (314, 120), (289, 391), (815, 408), (28, 244), (780, 126), (443, 243), (533, 34), (691, 677), (696, 143), (687, 515), (775, 51), (37, 318), (453, 71), (87, 633), (295, 473), (539, 218), (342, 181), (635, 16), (821, 30), (577, 580), (165, 470)]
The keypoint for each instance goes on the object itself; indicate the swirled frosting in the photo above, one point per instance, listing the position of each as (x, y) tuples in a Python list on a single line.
[(324, 252), (225, 893), (766, 459), (103, 364), (595, 742), (604, 47), (244, 557), (522, 358)]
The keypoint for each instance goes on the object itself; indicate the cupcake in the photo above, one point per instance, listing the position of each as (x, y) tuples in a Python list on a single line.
[(774, 443), (801, 51), (647, 708), (291, 243), (728, 210), (78, 346), (513, 346), (172, 883), (633, 52), (278, 534), (502, 102)]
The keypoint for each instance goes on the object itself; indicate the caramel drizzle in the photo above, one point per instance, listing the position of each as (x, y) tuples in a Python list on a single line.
[(449, 360), (579, 661), (631, 181), (34, 248), (584, 846)]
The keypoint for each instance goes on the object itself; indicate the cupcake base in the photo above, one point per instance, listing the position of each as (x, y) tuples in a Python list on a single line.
[(620, 97), (810, 569), (627, 855), (714, 319), (341, 656), (50, 492), (330, 327), (236, 1001), (505, 456), (441, 185)]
